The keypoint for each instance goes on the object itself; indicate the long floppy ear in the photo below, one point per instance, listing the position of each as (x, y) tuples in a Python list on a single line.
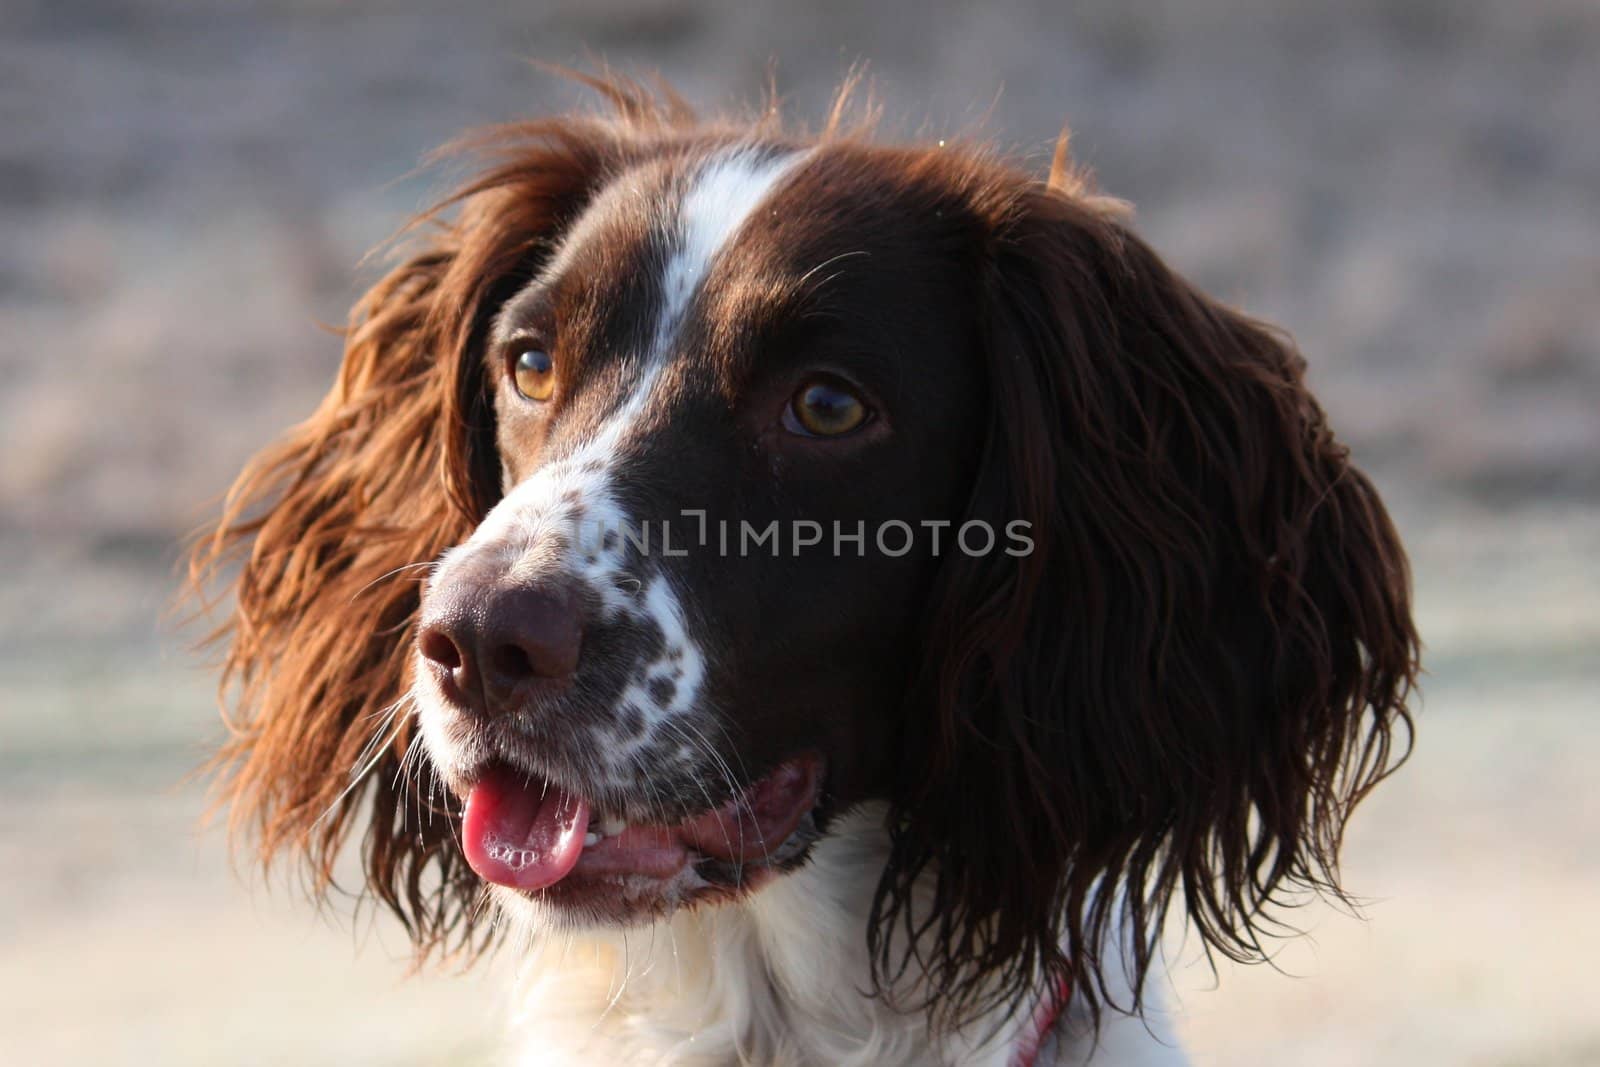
[(325, 533), (1199, 670)]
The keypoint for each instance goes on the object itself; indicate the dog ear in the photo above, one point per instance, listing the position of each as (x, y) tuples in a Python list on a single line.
[(1199, 669), (326, 534)]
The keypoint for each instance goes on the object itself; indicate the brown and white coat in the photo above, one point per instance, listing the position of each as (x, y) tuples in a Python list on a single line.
[(834, 802)]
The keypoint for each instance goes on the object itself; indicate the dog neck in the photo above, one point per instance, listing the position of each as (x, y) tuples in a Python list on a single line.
[(781, 978)]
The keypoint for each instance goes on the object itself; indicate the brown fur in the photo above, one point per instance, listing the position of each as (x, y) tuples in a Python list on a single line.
[(1184, 691)]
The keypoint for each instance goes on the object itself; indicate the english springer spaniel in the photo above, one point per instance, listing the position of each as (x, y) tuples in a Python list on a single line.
[(826, 601)]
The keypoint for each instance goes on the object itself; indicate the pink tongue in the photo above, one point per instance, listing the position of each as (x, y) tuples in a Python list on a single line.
[(522, 834)]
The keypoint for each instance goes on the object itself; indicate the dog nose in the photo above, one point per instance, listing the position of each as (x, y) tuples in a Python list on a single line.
[(495, 648)]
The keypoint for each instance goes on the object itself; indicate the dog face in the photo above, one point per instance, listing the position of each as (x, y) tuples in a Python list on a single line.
[(698, 382), (629, 407)]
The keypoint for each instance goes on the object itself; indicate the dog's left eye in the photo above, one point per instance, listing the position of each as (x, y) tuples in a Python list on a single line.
[(825, 407), (534, 374)]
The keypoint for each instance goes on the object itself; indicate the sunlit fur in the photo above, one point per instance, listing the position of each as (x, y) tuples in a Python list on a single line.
[(765, 981), (1177, 699), (770, 982)]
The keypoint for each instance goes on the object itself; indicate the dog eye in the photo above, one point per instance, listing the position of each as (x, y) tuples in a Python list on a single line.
[(824, 407), (534, 374)]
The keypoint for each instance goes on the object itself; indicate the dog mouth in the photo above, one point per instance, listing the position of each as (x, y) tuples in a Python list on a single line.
[(528, 833)]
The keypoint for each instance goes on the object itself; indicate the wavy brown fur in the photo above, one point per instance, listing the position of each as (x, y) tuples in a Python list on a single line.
[(1186, 688), (1197, 674), (326, 526)]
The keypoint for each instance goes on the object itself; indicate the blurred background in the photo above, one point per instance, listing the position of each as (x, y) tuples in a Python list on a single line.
[(187, 187)]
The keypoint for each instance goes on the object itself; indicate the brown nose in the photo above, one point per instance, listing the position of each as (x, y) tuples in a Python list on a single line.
[(495, 648)]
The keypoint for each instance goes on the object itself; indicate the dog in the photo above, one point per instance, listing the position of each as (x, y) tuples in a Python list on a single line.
[(826, 600)]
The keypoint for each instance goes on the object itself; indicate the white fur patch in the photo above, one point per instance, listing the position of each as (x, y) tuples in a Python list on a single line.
[(776, 978), (725, 193)]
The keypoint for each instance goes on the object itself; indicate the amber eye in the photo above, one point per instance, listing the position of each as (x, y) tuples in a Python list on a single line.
[(534, 373), (826, 408)]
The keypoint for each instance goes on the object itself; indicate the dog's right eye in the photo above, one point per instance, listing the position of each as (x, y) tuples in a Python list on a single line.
[(533, 372), (825, 407)]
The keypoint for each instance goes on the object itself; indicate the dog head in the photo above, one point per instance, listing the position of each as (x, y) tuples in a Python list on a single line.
[(697, 483)]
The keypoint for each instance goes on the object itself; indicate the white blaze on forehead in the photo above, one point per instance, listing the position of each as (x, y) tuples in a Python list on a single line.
[(725, 193), (553, 524), (720, 198)]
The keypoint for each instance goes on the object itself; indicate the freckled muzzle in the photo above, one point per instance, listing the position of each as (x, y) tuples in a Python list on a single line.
[(534, 667), (567, 655), (592, 765)]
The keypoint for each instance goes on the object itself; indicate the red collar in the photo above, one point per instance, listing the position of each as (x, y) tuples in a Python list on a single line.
[(1045, 1016)]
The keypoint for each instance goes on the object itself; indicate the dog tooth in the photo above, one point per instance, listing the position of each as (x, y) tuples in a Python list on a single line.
[(613, 827), (591, 839)]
